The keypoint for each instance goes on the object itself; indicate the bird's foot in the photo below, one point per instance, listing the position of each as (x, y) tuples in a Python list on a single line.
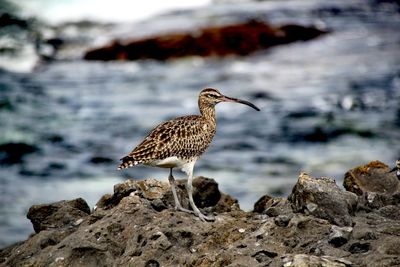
[(180, 208), (201, 216), (205, 218)]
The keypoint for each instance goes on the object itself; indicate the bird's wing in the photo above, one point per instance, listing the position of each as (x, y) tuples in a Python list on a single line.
[(183, 137)]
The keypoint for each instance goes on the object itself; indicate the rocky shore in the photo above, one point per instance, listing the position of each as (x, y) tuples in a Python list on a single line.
[(319, 224), (236, 39)]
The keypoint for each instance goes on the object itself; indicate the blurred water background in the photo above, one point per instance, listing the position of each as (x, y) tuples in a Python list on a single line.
[(328, 104)]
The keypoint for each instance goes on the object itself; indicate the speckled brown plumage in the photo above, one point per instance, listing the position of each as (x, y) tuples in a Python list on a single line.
[(184, 137)]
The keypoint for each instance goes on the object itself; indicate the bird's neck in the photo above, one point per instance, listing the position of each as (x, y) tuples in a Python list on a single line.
[(208, 112)]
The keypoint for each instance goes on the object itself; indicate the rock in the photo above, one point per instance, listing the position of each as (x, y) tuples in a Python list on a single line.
[(226, 204), (373, 177), (264, 256), (100, 160), (302, 260), (272, 206), (282, 220), (339, 235), (236, 39), (360, 247), (57, 215), (261, 204), (7, 19), (137, 225), (322, 198), (121, 190), (369, 201), (206, 193), (12, 153)]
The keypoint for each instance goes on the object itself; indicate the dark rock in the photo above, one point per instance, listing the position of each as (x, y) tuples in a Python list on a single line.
[(6, 104), (324, 199), (272, 206), (301, 33), (54, 138), (226, 204), (100, 160), (55, 166), (55, 42), (371, 201), (105, 202), (121, 190), (282, 220), (320, 133), (237, 39), (261, 204), (373, 177), (158, 205), (301, 114), (339, 235), (206, 192), (12, 153), (264, 256), (58, 215), (152, 263), (7, 19), (359, 247)]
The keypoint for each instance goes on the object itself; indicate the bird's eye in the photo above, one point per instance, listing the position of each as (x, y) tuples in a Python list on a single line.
[(212, 96)]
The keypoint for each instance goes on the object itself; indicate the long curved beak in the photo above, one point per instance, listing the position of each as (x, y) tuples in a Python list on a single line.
[(236, 100), (394, 169)]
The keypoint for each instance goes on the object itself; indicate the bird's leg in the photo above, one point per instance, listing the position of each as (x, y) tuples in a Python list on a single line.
[(196, 210), (178, 205)]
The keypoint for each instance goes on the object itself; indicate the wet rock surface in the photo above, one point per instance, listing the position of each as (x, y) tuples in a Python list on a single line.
[(237, 39), (318, 225)]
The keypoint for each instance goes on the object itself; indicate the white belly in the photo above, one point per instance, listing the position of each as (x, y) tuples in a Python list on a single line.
[(175, 162), (171, 162)]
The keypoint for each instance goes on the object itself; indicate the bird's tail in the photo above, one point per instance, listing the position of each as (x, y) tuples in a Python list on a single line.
[(127, 162)]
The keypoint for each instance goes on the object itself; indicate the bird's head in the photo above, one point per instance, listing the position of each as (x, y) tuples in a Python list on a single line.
[(211, 97)]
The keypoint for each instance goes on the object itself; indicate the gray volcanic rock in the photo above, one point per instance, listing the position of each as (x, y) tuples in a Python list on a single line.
[(137, 226), (339, 235), (59, 214), (324, 199)]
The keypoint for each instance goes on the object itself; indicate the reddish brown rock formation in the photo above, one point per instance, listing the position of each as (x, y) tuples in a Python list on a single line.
[(237, 39), (373, 177)]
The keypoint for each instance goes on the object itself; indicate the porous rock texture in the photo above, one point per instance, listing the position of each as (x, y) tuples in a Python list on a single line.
[(318, 225)]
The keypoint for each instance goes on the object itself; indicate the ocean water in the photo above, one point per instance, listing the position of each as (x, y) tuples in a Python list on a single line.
[(327, 105)]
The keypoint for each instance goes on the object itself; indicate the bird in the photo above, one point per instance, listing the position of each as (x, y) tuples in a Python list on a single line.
[(397, 169), (178, 143)]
